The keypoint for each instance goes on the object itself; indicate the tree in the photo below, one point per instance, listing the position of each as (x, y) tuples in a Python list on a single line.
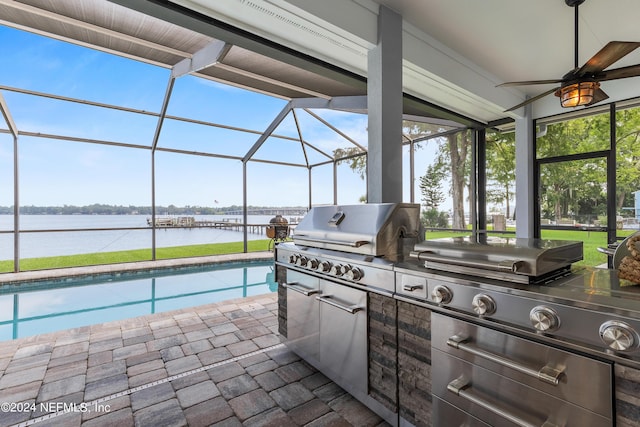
[(430, 187), (435, 219), (575, 186), (457, 147), (454, 156), (628, 155), (501, 168), (432, 196), (356, 158)]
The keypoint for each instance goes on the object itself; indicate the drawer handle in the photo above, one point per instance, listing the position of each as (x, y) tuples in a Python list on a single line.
[(301, 289), (351, 309), (459, 387), (411, 288), (546, 374)]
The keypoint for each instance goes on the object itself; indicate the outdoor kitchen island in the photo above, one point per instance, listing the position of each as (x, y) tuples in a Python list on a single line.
[(534, 344)]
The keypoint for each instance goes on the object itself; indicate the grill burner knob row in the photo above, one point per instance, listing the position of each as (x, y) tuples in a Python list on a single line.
[(441, 295), (483, 305), (544, 319), (618, 335)]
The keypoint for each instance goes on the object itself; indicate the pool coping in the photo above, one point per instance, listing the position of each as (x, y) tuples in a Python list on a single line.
[(67, 272)]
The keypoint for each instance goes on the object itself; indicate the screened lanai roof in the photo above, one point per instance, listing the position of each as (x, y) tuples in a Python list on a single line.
[(116, 29), (205, 48)]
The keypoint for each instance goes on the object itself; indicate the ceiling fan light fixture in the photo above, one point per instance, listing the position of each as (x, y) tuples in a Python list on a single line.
[(577, 94)]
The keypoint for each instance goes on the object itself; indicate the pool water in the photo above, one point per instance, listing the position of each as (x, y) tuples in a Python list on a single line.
[(39, 307)]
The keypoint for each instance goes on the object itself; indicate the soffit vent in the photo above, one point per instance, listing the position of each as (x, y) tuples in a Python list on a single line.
[(324, 35)]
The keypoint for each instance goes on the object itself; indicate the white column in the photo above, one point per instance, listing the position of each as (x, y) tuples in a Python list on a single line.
[(384, 100), (525, 204)]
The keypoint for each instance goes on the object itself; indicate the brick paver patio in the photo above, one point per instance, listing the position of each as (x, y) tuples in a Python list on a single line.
[(215, 365)]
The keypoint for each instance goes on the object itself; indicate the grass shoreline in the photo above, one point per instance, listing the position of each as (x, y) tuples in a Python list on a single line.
[(134, 255), (591, 241)]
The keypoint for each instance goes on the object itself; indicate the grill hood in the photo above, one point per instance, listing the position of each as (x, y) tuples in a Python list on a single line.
[(377, 229), (512, 256)]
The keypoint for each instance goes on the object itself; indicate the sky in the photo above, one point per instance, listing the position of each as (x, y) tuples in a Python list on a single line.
[(56, 172)]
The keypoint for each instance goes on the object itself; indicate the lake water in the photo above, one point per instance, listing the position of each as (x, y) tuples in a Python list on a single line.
[(51, 243)]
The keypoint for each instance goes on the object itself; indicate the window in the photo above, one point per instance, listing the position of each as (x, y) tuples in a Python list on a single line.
[(501, 181), (627, 171), (572, 162)]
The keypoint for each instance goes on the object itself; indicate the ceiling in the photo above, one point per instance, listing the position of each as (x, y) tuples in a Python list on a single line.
[(516, 40), (523, 39), (106, 26), (455, 51)]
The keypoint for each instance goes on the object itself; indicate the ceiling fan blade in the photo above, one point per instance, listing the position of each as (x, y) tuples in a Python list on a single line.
[(530, 100), (598, 96), (609, 54), (619, 73), (530, 82)]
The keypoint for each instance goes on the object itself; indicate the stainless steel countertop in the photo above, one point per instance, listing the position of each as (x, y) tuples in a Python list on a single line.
[(584, 301), (589, 288), (598, 287)]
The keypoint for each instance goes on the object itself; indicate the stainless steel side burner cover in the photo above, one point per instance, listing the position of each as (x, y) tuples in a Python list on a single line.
[(520, 256), (375, 229)]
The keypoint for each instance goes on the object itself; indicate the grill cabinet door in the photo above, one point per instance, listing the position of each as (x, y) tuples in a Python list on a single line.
[(303, 317), (498, 377), (343, 335)]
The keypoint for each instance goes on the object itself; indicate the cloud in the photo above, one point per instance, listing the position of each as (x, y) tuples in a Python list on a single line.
[(40, 303)]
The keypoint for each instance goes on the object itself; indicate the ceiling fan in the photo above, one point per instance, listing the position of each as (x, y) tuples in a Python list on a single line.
[(581, 86)]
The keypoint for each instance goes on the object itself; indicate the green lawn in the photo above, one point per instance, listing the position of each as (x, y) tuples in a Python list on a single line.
[(591, 239), (133, 255)]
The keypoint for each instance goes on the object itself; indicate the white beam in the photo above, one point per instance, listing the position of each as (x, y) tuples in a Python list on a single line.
[(4, 108), (205, 57), (265, 79)]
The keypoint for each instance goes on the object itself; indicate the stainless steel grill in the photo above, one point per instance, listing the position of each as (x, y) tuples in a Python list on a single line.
[(503, 307), (487, 300), (528, 286), (338, 255), (382, 230)]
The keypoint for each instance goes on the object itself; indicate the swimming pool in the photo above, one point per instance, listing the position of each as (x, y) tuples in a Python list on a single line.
[(33, 308)]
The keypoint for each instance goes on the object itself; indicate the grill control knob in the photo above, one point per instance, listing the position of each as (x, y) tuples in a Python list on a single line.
[(293, 258), (325, 266), (336, 270), (618, 335), (483, 305), (441, 295), (313, 264), (544, 319), (354, 274), (302, 261)]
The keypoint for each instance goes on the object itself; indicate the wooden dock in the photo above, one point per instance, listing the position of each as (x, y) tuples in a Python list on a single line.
[(231, 224)]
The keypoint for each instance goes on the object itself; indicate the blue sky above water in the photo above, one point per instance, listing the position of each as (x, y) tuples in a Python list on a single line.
[(54, 172)]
